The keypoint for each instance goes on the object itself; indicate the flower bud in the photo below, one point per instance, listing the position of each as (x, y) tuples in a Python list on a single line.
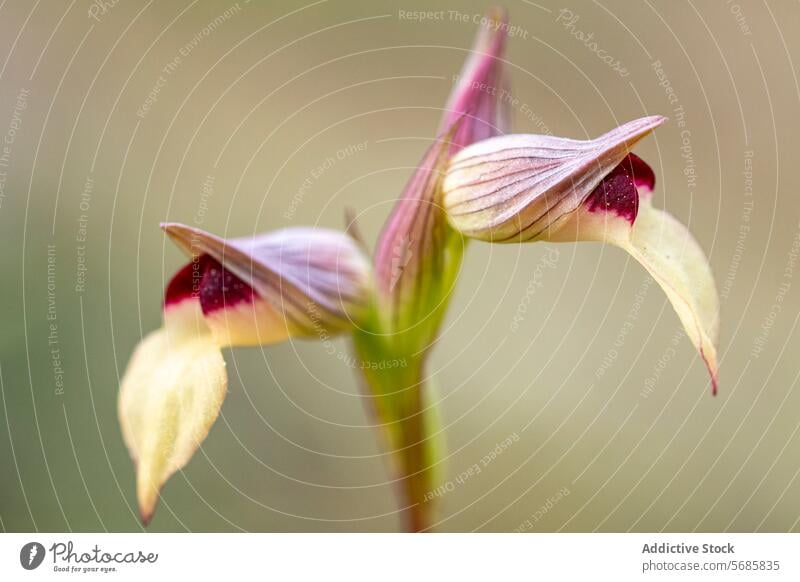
[(418, 254)]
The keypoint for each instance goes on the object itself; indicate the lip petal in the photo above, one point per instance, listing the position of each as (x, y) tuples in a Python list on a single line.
[(667, 249), (169, 398), (616, 213), (669, 252)]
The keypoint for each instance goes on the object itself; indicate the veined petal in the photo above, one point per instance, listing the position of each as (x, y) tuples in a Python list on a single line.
[(170, 396), (512, 188), (418, 253), (417, 247), (481, 95), (615, 213), (288, 283)]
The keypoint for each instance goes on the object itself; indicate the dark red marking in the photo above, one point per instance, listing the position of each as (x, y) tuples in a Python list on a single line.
[(617, 191), (185, 284), (643, 175), (220, 289), (206, 279)]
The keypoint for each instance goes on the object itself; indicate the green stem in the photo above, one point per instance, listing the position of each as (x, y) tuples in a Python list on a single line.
[(399, 405), (401, 394), (417, 465)]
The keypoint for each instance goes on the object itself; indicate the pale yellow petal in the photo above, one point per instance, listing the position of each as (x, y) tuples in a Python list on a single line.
[(667, 249), (170, 396), (673, 257)]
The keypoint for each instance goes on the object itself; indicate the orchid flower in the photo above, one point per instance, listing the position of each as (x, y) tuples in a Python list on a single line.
[(520, 188), (473, 182), (298, 282)]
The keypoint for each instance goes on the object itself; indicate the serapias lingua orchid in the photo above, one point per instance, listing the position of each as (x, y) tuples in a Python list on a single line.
[(473, 182)]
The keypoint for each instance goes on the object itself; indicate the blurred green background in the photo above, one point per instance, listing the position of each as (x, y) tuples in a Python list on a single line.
[(607, 404)]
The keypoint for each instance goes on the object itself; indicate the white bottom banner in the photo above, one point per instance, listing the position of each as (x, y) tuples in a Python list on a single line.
[(402, 557)]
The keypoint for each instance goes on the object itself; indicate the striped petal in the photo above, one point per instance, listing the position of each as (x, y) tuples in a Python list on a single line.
[(296, 282), (417, 248), (480, 100), (512, 188), (418, 254)]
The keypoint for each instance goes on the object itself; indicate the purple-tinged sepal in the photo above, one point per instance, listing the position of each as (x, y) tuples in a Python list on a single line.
[(418, 254), (295, 282), (513, 188), (481, 98)]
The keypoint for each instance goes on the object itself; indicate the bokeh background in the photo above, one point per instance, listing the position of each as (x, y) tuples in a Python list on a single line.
[(607, 405)]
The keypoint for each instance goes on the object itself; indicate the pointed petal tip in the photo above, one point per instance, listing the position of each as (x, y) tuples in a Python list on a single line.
[(493, 24), (634, 130), (659, 120), (147, 497), (481, 84), (182, 233), (647, 125), (713, 370), (648, 122), (497, 13), (175, 228), (185, 237)]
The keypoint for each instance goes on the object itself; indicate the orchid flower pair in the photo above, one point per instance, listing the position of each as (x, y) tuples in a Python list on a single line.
[(474, 182)]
